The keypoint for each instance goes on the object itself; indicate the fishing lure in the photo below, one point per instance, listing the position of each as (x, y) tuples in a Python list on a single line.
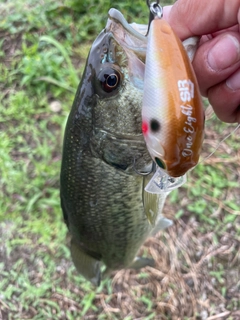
[(172, 112)]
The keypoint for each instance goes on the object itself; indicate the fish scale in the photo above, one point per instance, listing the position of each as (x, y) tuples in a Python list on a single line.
[(118, 215)]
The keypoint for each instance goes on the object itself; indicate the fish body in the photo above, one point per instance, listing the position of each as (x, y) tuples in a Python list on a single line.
[(102, 195), (172, 113), (103, 199)]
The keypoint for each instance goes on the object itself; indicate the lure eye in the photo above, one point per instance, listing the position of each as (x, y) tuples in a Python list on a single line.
[(160, 163), (154, 125), (109, 79)]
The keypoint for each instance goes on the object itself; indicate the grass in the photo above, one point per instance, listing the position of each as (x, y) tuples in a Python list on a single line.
[(42, 55)]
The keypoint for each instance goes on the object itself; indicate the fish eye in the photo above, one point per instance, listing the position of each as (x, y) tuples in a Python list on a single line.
[(109, 79), (160, 163)]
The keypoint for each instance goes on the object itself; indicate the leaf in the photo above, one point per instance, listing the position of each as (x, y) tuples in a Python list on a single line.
[(56, 83), (65, 54)]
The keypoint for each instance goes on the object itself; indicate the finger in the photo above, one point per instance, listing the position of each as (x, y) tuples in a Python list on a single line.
[(225, 99), (216, 60), (195, 18), (234, 28)]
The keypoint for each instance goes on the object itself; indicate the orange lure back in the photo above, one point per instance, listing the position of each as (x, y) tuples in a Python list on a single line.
[(172, 113)]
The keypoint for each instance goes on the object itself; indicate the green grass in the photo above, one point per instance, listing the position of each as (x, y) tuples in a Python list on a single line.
[(42, 54)]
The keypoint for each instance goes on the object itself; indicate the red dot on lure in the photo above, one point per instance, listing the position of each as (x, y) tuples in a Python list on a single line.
[(144, 127)]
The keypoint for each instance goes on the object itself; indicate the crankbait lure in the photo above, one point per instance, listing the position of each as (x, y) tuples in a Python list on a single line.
[(172, 113)]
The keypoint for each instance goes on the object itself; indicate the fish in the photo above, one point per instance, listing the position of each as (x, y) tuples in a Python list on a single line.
[(105, 162), (172, 113)]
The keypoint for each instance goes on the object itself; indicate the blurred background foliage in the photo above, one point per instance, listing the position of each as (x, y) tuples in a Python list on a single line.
[(43, 48)]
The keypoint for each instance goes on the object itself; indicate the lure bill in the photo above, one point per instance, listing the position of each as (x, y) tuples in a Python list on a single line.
[(162, 183), (172, 113)]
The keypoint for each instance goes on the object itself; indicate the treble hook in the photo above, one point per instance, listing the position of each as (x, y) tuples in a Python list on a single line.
[(149, 3), (156, 12), (155, 9), (153, 169)]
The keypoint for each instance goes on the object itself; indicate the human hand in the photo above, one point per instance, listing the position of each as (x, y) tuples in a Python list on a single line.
[(217, 60)]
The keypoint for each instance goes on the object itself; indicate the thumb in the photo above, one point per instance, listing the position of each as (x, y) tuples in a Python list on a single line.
[(196, 18)]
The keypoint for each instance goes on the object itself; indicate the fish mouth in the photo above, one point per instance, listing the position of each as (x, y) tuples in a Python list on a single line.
[(131, 37), (135, 30)]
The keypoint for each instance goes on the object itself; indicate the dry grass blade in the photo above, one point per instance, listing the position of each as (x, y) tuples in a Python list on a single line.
[(179, 285)]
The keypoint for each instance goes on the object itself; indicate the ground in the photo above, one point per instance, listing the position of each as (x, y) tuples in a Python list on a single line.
[(43, 48)]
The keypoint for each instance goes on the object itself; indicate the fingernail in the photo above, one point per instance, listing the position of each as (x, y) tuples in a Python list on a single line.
[(233, 82), (225, 53)]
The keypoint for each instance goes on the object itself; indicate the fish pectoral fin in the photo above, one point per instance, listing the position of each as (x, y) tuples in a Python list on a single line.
[(161, 224), (153, 203), (150, 202), (86, 265), (141, 262)]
